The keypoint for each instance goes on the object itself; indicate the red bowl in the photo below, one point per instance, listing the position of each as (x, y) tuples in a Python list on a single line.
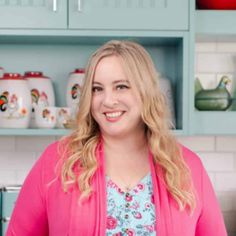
[(216, 4)]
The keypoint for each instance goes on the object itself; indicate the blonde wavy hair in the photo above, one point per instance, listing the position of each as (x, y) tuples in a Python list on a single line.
[(79, 162)]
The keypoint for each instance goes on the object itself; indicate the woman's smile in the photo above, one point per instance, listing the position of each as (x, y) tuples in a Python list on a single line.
[(113, 116)]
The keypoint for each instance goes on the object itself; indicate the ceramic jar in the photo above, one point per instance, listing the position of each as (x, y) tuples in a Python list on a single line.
[(166, 89), (42, 92), (15, 101), (75, 83)]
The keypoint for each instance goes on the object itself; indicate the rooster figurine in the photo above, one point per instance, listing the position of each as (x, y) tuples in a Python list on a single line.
[(217, 99)]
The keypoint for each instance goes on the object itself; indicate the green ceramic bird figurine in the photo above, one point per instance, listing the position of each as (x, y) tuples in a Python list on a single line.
[(218, 99)]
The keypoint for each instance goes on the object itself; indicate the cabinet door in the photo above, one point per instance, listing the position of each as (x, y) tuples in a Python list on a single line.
[(129, 14), (33, 14)]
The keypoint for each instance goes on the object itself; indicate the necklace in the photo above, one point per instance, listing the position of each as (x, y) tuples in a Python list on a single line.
[(127, 187)]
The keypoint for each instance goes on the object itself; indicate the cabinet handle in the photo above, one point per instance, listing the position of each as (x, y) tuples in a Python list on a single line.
[(54, 5), (79, 5)]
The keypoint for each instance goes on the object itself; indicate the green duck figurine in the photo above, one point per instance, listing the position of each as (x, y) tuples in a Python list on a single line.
[(217, 99)]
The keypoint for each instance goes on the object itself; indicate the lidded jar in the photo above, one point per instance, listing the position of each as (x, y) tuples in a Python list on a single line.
[(15, 101), (42, 92), (75, 83)]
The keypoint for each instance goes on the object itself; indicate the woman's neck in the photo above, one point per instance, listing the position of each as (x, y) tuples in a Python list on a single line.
[(135, 144)]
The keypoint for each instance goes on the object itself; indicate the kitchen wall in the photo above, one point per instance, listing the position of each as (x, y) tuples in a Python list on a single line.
[(218, 153)]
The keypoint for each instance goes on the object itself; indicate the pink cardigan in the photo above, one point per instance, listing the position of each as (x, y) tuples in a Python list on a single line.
[(44, 209)]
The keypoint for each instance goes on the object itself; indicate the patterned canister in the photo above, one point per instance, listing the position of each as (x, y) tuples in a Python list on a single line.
[(75, 82), (15, 101), (42, 92)]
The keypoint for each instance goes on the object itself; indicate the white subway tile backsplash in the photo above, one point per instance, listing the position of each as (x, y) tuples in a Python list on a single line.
[(227, 200), (21, 175), (226, 143), (198, 143), (216, 63), (33, 144), (205, 47), (7, 177), (16, 160), (230, 221), (208, 81), (7, 143), (212, 178), (225, 181), (229, 47), (221, 161)]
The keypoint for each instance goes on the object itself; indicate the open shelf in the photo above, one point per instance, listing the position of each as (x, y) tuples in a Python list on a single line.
[(56, 56)]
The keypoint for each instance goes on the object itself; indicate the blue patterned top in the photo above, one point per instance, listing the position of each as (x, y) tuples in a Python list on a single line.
[(131, 213)]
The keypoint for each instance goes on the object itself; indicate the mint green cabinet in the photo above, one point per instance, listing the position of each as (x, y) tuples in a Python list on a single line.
[(95, 14), (212, 22), (36, 14), (212, 26), (129, 14)]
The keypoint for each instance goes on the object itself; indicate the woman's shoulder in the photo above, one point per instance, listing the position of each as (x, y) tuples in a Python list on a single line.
[(51, 152), (51, 158)]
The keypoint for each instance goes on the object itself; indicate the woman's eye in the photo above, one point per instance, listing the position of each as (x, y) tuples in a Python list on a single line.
[(122, 86), (96, 89)]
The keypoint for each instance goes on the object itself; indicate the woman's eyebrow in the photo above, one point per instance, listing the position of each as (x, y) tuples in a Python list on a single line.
[(121, 81), (97, 83)]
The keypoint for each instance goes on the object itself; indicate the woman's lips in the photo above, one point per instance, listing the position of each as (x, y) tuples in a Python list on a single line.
[(113, 116)]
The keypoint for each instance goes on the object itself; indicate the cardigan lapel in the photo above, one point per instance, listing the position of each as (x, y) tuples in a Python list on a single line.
[(161, 200)]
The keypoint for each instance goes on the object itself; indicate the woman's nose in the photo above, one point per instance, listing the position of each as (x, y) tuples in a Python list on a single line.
[(110, 99)]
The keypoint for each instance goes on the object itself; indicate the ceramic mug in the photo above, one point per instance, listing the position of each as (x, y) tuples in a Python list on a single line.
[(64, 117), (45, 117)]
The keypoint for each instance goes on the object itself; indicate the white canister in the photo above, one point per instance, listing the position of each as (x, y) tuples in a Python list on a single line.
[(15, 101), (166, 89), (75, 83), (42, 92)]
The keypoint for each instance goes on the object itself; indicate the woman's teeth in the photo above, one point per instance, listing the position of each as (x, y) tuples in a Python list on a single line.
[(113, 114)]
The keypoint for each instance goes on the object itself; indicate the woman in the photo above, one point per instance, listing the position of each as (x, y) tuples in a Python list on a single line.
[(121, 172)]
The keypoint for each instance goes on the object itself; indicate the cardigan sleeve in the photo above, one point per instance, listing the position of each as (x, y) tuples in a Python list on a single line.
[(210, 222), (29, 216)]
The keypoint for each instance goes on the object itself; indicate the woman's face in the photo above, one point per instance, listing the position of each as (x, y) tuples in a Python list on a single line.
[(116, 106)]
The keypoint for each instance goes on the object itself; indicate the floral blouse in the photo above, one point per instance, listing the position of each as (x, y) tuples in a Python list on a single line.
[(131, 213)]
